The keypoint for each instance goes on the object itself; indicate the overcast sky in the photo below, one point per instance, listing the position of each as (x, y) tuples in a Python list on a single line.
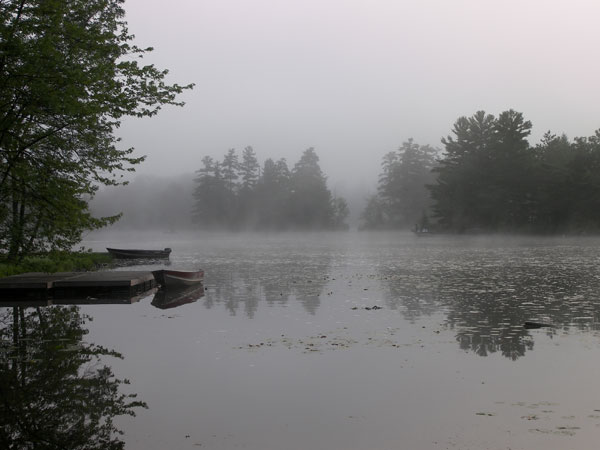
[(355, 79)]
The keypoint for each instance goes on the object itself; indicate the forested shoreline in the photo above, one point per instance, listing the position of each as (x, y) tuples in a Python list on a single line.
[(489, 178), (238, 194), (486, 178)]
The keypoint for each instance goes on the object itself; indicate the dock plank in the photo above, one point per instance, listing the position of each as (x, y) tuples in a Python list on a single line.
[(32, 280), (105, 279), (75, 284)]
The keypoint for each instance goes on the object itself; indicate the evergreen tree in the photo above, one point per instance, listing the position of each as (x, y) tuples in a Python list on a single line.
[(231, 166), (485, 178), (373, 216), (567, 181), (249, 169), (553, 193), (310, 200), (462, 173), (387, 189), (249, 172), (278, 199), (402, 195), (273, 192), (211, 196), (414, 173), (340, 211)]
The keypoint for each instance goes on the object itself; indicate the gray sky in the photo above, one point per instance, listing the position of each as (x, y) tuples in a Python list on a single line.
[(355, 79)]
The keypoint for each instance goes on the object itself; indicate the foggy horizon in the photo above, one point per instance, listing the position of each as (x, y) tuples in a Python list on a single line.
[(355, 79)]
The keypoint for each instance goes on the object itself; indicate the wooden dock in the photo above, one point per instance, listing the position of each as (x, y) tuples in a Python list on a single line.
[(72, 285)]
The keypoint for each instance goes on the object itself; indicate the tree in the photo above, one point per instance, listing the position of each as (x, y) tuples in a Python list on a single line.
[(387, 188), (249, 173), (340, 212), (310, 200), (373, 216), (553, 189), (402, 195), (230, 169), (567, 184), (414, 173), (249, 169), (211, 197), (272, 194), (69, 74), (484, 180), (231, 166), (461, 174)]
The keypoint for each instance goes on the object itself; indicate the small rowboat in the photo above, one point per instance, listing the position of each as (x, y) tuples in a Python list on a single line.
[(178, 278), (124, 253)]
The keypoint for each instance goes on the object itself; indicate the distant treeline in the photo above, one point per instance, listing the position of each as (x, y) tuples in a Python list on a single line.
[(486, 178), (239, 194), (490, 179)]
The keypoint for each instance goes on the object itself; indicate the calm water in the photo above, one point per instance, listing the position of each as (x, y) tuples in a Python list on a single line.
[(285, 349)]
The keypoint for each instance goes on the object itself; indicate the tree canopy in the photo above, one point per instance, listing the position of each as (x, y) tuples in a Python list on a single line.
[(491, 179), (235, 196), (402, 197), (69, 74)]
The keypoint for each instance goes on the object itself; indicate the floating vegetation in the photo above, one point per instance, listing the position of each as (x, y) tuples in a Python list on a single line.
[(339, 339)]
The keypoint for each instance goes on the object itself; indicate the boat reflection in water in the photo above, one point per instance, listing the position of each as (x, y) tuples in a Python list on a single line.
[(171, 298), (56, 391)]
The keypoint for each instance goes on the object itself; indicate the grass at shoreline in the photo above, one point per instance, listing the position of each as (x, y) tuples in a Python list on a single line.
[(56, 262)]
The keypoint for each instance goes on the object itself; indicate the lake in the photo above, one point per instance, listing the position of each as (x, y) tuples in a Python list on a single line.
[(342, 341)]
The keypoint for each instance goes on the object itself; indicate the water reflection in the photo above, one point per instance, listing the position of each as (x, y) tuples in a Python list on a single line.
[(274, 278), (485, 290), (55, 392), (172, 298), (488, 293)]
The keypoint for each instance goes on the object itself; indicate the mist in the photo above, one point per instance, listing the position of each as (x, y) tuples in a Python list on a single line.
[(355, 79), (148, 202), (167, 203)]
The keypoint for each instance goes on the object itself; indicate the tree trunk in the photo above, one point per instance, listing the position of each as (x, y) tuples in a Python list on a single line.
[(16, 225)]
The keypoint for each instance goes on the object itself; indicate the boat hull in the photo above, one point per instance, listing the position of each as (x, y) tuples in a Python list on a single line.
[(177, 278), (123, 253)]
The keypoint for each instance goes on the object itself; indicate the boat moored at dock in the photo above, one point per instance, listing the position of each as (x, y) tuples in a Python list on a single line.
[(126, 253), (178, 278)]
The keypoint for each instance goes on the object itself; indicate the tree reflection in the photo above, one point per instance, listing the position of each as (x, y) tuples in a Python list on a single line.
[(488, 294), (409, 290), (55, 392), (275, 280)]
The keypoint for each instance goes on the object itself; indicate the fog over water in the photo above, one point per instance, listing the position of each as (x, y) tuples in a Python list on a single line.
[(362, 340), (354, 79)]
